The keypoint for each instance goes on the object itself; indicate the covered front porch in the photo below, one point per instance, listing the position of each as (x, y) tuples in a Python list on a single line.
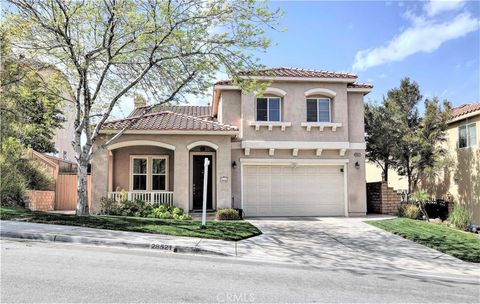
[(164, 169)]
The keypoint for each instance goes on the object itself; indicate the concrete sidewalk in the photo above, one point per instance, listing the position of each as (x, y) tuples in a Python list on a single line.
[(84, 235), (323, 243)]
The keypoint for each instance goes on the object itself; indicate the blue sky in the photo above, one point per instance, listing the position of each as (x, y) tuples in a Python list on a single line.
[(436, 43)]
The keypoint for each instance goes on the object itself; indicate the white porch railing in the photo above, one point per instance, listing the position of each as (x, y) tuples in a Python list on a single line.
[(162, 197)]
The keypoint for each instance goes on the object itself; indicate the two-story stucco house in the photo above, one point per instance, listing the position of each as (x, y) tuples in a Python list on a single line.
[(296, 150), (458, 180)]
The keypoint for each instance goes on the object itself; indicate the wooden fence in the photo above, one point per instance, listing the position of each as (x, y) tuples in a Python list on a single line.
[(66, 192)]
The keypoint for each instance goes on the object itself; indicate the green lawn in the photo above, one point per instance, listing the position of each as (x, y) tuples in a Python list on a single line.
[(462, 245), (224, 230)]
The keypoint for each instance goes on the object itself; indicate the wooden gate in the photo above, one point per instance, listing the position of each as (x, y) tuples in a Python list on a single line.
[(66, 192)]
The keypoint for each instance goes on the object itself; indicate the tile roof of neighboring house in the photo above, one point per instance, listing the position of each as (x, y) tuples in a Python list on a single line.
[(195, 111), (297, 72), (168, 121), (465, 109), (223, 82), (358, 85)]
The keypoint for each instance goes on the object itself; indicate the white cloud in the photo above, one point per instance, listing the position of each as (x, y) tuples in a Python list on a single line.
[(435, 7), (421, 36)]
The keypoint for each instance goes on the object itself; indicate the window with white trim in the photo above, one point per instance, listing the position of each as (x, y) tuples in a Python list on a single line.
[(139, 178), (318, 110), (159, 173), (467, 135), (149, 173), (269, 109)]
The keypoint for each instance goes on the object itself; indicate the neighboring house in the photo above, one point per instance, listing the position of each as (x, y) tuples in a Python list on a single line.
[(395, 181), (296, 150), (459, 178), (63, 136)]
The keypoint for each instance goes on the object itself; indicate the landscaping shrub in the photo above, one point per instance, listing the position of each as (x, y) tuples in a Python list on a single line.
[(163, 211), (135, 208), (421, 198), (409, 210), (109, 206), (19, 174), (460, 217), (38, 178), (227, 214)]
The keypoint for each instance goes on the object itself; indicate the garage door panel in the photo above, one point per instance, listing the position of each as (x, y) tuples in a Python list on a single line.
[(293, 191)]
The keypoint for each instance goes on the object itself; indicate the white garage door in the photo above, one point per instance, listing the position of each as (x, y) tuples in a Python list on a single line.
[(274, 190)]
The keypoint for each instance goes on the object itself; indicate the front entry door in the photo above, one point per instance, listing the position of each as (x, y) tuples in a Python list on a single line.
[(197, 181)]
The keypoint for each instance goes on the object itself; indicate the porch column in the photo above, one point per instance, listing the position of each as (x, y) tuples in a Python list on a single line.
[(99, 178), (181, 176), (110, 171), (224, 174)]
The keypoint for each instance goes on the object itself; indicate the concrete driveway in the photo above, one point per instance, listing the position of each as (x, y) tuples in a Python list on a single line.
[(347, 243)]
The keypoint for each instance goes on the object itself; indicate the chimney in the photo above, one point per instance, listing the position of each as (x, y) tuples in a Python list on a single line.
[(139, 101)]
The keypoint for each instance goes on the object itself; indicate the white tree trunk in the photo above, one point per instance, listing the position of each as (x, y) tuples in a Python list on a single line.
[(82, 190)]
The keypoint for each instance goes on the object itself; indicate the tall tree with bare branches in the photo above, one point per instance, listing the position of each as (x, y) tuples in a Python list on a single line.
[(110, 48)]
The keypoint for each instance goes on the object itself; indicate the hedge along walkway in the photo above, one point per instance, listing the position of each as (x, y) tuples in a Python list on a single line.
[(460, 244), (223, 230)]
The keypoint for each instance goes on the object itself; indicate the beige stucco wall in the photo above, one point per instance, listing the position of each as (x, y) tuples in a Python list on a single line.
[(181, 167), (374, 174), (121, 164), (459, 176), (347, 109), (294, 110), (63, 136), (229, 110)]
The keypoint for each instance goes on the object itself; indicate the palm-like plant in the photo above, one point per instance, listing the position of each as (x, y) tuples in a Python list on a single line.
[(421, 198)]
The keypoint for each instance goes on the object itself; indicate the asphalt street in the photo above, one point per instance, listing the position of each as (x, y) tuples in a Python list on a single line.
[(54, 272)]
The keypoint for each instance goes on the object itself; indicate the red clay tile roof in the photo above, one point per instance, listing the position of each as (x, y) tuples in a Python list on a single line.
[(297, 72), (196, 111), (465, 109), (358, 85), (223, 82), (169, 121)]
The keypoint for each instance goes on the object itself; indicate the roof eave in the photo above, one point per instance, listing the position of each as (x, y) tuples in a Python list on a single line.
[(309, 79), (365, 91), (172, 132), (464, 116)]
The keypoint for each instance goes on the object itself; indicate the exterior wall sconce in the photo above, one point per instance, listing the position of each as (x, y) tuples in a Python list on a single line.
[(357, 165), (234, 165)]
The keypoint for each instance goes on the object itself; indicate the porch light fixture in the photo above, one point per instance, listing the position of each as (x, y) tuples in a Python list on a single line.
[(234, 165), (357, 165)]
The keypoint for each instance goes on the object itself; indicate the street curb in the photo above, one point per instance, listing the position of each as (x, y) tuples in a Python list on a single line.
[(49, 237)]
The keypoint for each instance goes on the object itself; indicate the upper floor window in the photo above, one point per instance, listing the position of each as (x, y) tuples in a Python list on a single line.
[(268, 109), (467, 135), (318, 110)]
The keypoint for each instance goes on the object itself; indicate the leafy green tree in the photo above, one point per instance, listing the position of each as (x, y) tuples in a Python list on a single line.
[(31, 101), (417, 140), (380, 137), (30, 112), (108, 49)]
